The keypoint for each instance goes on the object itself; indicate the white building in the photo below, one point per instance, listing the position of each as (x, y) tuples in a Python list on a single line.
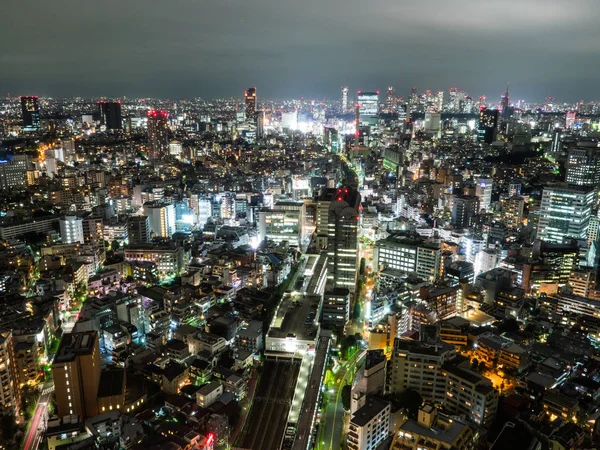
[(162, 218), (565, 213), (483, 191), (370, 425), (71, 230)]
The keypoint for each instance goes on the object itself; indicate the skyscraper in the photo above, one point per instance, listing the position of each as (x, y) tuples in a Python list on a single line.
[(505, 105), (76, 370), (250, 101), (345, 99), (583, 167), (110, 115), (158, 134), (390, 99), (138, 229), (342, 238), (488, 125), (565, 213), (368, 107), (30, 110)]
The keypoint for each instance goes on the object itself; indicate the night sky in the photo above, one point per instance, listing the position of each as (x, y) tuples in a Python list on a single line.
[(293, 48)]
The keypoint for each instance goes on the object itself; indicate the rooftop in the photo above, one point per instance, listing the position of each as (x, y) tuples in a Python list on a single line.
[(369, 411), (75, 344)]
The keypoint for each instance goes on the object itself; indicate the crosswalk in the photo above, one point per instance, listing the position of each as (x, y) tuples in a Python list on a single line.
[(48, 390)]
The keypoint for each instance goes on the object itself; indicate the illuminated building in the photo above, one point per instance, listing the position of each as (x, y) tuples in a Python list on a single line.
[(162, 218), (93, 231), (282, 223), (13, 172), (570, 119), (505, 105), (367, 107), (565, 213), (76, 370), (250, 102), (488, 125), (158, 135), (433, 123), (168, 259), (390, 99), (110, 115), (336, 308), (71, 230), (30, 110), (345, 99), (583, 167), (342, 238), (9, 387), (483, 191), (512, 211), (410, 254), (370, 425)]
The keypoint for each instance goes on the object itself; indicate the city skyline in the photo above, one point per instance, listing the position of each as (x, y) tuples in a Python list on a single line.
[(184, 50)]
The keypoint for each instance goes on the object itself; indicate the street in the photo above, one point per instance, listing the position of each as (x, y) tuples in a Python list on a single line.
[(37, 424), (333, 426)]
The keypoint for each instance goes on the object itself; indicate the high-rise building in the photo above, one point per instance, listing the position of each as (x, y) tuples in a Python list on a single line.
[(336, 308), (390, 100), (158, 135), (162, 218), (76, 370), (250, 101), (110, 115), (282, 223), (570, 119), (565, 213), (583, 167), (30, 110), (463, 210), (556, 141), (93, 230), (10, 395), (345, 99), (71, 230), (505, 105), (488, 125), (69, 152), (138, 230), (342, 238), (368, 107), (512, 211), (483, 191)]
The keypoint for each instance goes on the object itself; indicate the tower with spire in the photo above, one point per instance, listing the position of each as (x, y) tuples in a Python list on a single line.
[(505, 105)]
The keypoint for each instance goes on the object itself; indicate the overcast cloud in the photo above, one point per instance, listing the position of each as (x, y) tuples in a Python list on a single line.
[(217, 48)]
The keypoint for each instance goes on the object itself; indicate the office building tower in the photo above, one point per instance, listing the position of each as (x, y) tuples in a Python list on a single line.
[(565, 213), (175, 148), (30, 111), (514, 188), (342, 238), (76, 370), (260, 123), (10, 395), (13, 172), (250, 102), (345, 99), (410, 254), (463, 210), (488, 125), (158, 135), (162, 218), (556, 142), (367, 108), (390, 100), (370, 425), (110, 115), (433, 123), (139, 230), (583, 167), (505, 105), (483, 191), (71, 230)]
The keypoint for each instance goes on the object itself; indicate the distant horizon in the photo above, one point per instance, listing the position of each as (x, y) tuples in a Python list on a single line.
[(351, 97)]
